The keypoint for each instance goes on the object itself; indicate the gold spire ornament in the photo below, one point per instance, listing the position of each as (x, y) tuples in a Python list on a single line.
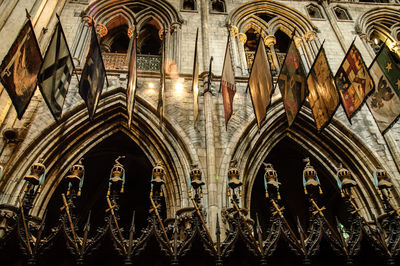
[(117, 175), (37, 175), (310, 177), (76, 176)]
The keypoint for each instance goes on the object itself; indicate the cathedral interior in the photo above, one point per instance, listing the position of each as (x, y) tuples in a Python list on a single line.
[(168, 187)]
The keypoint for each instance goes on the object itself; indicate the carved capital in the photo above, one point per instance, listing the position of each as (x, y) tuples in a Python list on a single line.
[(395, 47), (131, 31), (242, 38), (310, 35), (234, 30), (297, 41), (101, 30), (269, 40), (175, 27), (87, 20)]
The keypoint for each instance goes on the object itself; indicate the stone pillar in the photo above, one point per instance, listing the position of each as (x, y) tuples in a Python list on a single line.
[(7, 8), (335, 27), (242, 40), (79, 48), (234, 32), (210, 158), (204, 34), (175, 54), (270, 41), (310, 37)]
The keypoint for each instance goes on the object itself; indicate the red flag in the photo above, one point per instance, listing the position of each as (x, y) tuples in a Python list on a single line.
[(228, 85), (131, 88), (353, 81), (20, 68)]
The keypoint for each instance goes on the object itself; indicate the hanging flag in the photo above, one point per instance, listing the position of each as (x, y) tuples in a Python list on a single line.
[(20, 68), (353, 81), (228, 84), (160, 106), (56, 72), (260, 83), (384, 102), (292, 83), (131, 88), (195, 82), (93, 76), (323, 96)]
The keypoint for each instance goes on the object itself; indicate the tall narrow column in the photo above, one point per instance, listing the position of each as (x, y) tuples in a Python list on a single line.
[(335, 27), (204, 33), (270, 41), (79, 48), (210, 154)]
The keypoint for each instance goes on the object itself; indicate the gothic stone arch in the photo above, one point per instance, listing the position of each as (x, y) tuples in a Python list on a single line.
[(335, 145), (61, 145)]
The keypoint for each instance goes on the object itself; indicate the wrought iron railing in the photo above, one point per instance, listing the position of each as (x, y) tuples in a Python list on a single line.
[(119, 61), (250, 58)]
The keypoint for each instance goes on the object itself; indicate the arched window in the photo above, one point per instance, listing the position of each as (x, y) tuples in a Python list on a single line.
[(149, 42), (250, 46), (341, 13), (116, 41), (189, 5), (314, 11), (218, 6), (282, 45)]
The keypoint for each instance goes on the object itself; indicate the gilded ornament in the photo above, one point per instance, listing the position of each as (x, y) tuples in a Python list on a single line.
[(242, 38)]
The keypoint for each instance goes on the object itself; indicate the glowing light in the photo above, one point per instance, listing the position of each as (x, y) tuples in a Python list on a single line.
[(376, 41), (151, 85), (179, 85)]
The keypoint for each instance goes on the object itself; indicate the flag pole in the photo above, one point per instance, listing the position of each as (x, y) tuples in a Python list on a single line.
[(226, 51)]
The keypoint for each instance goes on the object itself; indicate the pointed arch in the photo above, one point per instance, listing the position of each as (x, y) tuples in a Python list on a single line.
[(381, 19), (61, 145), (335, 145), (294, 18)]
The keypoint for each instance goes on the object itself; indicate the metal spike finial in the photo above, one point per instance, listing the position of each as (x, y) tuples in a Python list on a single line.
[(87, 225), (218, 229), (117, 160), (132, 228)]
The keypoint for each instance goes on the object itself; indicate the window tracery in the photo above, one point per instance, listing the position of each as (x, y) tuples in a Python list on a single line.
[(189, 5), (314, 11), (341, 13), (218, 6)]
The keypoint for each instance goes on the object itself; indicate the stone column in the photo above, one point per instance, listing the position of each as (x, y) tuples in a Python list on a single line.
[(204, 34), (175, 54), (242, 40), (210, 158), (332, 21), (270, 41), (82, 41), (7, 8), (310, 37), (234, 49)]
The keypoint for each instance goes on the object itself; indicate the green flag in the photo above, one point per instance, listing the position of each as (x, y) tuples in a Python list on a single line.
[(384, 103), (390, 66)]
